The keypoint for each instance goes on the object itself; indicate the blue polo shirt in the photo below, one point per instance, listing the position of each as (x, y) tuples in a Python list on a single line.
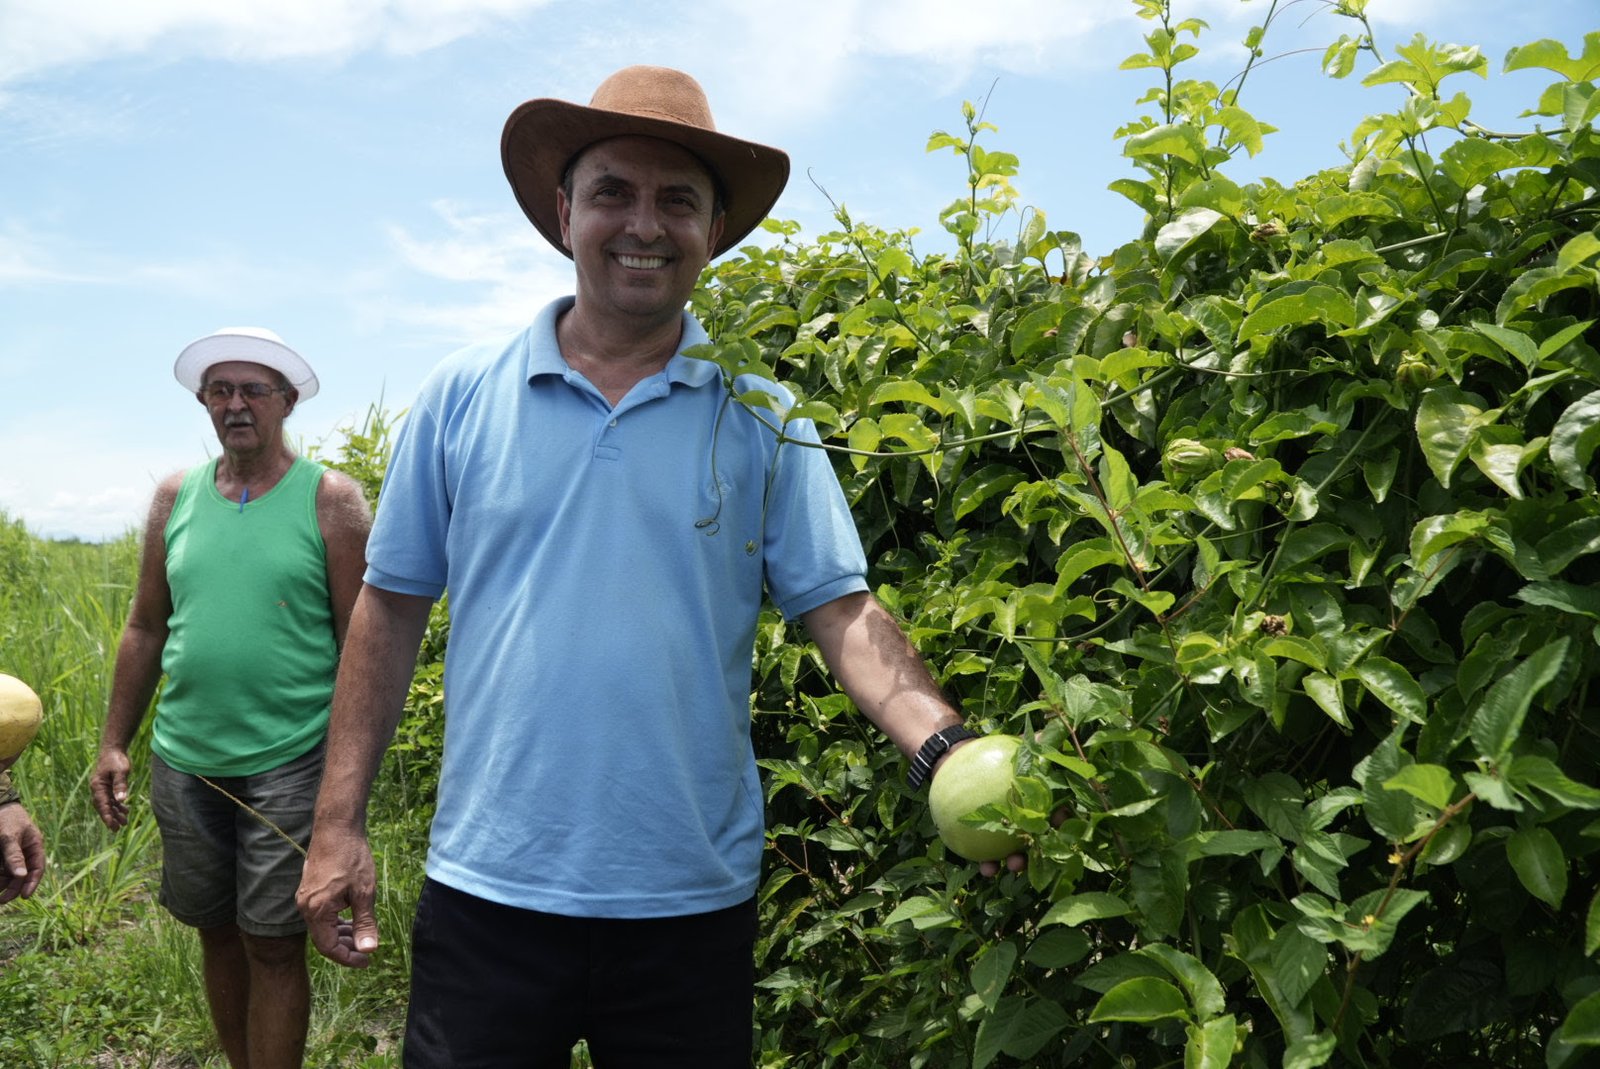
[(605, 568)]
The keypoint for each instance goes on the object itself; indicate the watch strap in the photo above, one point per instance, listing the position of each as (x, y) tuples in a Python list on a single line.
[(933, 749)]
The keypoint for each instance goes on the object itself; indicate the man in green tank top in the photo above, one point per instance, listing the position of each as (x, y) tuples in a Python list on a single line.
[(250, 566)]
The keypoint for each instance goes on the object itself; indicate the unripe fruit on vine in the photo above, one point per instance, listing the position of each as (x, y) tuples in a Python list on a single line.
[(20, 714), (975, 774), (1413, 373), (1186, 456)]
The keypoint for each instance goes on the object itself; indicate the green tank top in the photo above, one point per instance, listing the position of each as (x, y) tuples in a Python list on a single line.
[(250, 654)]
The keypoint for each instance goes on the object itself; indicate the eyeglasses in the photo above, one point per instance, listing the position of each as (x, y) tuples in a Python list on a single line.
[(218, 392)]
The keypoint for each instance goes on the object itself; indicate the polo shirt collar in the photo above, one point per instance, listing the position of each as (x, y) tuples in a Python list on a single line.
[(544, 352)]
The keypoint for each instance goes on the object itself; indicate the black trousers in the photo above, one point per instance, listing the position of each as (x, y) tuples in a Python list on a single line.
[(496, 987)]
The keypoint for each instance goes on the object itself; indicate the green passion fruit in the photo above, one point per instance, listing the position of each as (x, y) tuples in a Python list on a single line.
[(975, 774), (20, 714)]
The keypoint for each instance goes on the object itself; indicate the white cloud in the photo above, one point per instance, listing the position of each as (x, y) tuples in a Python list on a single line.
[(63, 491), (497, 257), (36, 35), (28, 258), (25, 260), (816, 60)]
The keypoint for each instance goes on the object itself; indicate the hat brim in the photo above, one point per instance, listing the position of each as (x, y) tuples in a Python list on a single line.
[(542, 136), (197, 356)]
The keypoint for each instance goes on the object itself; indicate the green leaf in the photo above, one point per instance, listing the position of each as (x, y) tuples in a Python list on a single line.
[(1324, 689), (1591, 927), (1036, 331), (1295, 648), (1085, 556), (1552, 56), (1514, 342), (1298, 962), (1233, 843), (1574, 439), (1431, 784), (1462, 996), (1472, 160), (1530, 772), (1182, 140), (907, 391), (1563, 597), (992, 973), (1210, 1045), (1340, 207), (988, 482), (1040, 1022), (1142, 1000), (1294, 305), (921, 911), (994, 1029), (1142, 194), (1578, 251), (1390, 683), (1178, 236), (1582, 1026), (1434, 535), (1058, 948), (1074, 910), (1492, 790), (1392, 814), (1447, 419), (1204, 991), (1498, 719), (1340, 57), (1539, 863), (1500, 454), (1532, 288), (1310, 1051), (1155, 602), (1307, 543)]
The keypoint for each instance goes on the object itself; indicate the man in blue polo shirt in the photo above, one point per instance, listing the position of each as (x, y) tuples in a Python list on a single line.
[(607, 522)]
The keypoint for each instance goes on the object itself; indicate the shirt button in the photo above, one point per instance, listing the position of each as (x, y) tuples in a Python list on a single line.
[(613, 423)]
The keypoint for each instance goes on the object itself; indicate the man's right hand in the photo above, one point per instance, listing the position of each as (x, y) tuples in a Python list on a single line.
[(339, 876), (109, 785), (21, 853)]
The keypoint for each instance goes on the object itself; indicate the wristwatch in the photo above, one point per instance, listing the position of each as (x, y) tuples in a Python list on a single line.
[(932, 750)]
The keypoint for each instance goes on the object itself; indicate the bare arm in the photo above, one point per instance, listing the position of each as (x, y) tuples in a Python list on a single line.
[(345, 520), (876, 665), (375, 670), (138, 666)]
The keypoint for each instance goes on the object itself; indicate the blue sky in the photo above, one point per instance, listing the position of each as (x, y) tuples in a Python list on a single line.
[(330, 169)]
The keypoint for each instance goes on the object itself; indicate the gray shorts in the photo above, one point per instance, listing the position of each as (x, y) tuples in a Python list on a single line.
[(220, 864)]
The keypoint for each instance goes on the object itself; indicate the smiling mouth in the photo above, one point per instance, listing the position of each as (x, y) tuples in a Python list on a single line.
[(647, 263)]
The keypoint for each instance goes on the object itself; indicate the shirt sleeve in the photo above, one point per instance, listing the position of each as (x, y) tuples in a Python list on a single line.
[(406, 550), (813, 550)]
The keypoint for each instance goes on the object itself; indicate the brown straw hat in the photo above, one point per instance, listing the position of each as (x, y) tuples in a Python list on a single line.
[(543, 136)]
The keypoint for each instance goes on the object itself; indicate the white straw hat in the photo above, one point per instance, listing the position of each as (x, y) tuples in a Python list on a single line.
[(255, 345)]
